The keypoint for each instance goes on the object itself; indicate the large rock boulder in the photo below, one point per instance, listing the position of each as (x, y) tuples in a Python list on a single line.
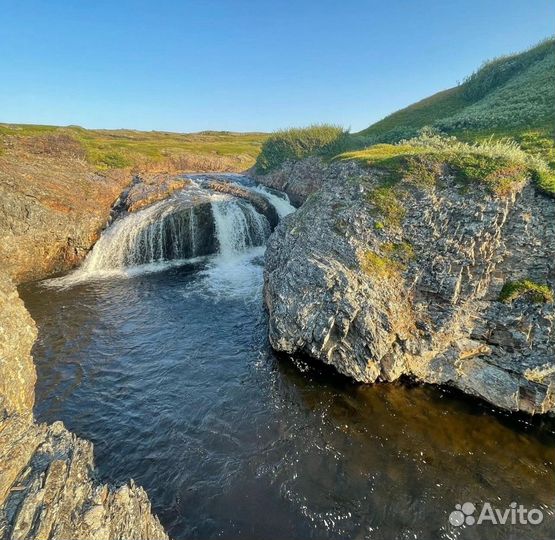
[(381, 283)]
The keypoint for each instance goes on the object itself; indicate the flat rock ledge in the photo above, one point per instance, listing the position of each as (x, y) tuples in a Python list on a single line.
[(419, 298)]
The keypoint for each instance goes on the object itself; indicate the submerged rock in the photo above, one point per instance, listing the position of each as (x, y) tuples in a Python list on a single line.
[(382, 283)]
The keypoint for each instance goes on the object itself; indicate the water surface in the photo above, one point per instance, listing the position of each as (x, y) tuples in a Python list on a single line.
[(171, 376)]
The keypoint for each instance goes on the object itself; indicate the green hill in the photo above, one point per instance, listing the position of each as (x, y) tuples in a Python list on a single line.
[(509, 96)]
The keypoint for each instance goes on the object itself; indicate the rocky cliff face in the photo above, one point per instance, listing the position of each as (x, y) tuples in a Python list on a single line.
[(51, 211), (381, 283), (17, 335)]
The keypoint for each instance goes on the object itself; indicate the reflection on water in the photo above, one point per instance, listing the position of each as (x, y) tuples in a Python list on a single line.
[(171, 376)]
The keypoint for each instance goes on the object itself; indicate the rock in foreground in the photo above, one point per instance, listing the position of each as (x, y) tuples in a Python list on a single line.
[(381, 283), (52, 209), (48, 490), (47, 478)]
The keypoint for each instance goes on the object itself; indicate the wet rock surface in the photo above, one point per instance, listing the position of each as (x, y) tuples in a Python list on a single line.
[(418, 298), (298, 179), (260, 203), (150, 188)]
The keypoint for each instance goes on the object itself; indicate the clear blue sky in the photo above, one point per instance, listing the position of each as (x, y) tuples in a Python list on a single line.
[(245, 65)]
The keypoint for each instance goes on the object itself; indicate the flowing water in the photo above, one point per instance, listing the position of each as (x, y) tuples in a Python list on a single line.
[(170, 374)]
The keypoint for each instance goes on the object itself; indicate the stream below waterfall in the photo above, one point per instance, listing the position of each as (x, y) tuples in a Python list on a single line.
[(157, 351)]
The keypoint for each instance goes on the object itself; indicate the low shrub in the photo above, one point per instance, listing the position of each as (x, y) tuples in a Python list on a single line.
[(505, 97), (295, 144), (545, 180), (499, 164), (111, 160)]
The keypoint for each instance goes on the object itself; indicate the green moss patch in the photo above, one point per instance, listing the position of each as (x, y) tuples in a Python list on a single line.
[(393, 259), (401, 252), (385, 200), (525, 287), (373, 264)]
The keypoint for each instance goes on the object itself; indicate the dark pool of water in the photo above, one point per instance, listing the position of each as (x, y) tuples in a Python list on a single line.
[(171, 376)]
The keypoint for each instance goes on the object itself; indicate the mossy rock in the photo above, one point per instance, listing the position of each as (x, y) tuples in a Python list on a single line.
[(535, 292)]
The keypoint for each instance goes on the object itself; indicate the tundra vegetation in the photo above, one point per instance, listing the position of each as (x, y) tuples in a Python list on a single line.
[(139, 150), (496, 127)]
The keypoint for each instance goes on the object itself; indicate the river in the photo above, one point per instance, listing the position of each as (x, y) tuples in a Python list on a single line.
[(166, 367)]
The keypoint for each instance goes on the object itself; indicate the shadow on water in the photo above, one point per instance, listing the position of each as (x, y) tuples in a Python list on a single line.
[(171, 376)]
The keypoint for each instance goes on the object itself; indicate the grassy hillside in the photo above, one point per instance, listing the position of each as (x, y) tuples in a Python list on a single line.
[(511, 96), (108, 149)]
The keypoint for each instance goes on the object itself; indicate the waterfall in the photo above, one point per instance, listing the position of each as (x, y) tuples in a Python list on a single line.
[(172, 230), (279, 201), (192, 231), (238, 227), (161, 232), (186, 226)]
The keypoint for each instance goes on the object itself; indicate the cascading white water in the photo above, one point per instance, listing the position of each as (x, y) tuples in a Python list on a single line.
[(161, 232), (238, 226), (280, 203), (192, 230), (182, 228)]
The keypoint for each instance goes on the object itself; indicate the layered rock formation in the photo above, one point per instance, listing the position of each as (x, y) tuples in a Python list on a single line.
[(51, 212), (381, 284), (150, 188), (260, 203)]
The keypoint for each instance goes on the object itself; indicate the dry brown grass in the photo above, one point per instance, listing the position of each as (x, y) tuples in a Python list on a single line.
[(55, 144)]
